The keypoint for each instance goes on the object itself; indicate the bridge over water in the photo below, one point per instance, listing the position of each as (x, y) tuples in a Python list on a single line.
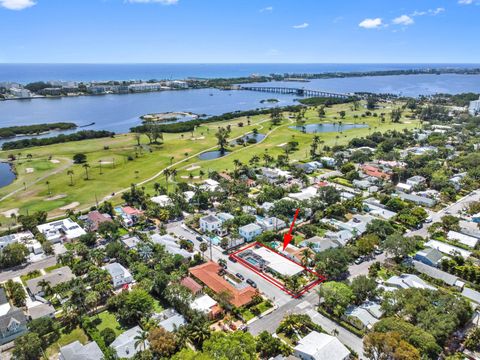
[(295, 91)]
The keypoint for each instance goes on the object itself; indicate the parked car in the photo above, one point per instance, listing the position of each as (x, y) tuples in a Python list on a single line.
[(252, 283), (232, 259), (378, 251), (199, 238), (428, 220), (240, 276), (359, 261)]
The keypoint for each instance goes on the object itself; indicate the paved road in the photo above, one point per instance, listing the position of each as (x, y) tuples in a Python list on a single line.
[(306, 305), (362, 269), (38, 265), (452, 209)]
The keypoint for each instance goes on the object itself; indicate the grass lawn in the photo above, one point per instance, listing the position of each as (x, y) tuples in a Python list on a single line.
[(53, 267), (31, 275), (107, 320), (262, 307), (66, 337), (111, 172)]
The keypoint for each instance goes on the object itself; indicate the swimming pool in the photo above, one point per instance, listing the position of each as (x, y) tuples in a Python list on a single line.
[(215, 240), (253, 261)]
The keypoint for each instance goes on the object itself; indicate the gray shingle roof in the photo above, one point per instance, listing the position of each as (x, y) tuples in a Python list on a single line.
[(55, 277), (14, 314), (77, 351)]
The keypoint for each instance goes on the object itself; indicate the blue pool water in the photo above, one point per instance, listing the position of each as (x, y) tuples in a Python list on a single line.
[(252, 261)]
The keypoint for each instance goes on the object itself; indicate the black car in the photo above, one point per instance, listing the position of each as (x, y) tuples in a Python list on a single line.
[(251, 283), (240, 276), (199, 238), (232, 259)]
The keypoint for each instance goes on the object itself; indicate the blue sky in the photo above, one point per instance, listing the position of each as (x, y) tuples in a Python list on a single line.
[(240, 31)]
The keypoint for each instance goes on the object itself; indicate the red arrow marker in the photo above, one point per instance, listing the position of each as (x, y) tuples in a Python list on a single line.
[(288, 236)]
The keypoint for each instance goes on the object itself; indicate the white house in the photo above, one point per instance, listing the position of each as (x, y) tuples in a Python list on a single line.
[(162, 200), (203, 304), (474, 108), (417, 180), (210, 223), (407, 281), (120, 275), (466, 240), (61, 230), (447, 248), (14, 238), (210, 185), (319, 346), (124, 344), (250, 231), (271, 223)]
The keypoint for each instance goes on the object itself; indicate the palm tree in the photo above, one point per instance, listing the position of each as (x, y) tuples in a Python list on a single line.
[(203, 248), (48, 187), (236, 163), (70, 173), (141, 340), (173, 173), (86, 166), (202, 174), (45, 286), (222, 138), (167, 174), (306, 256), (100, 164), (156, 187)]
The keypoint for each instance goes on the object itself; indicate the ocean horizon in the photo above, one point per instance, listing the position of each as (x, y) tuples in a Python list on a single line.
[(30, 72)]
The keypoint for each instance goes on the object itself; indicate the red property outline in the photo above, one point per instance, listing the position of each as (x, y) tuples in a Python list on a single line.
[(274, 281)]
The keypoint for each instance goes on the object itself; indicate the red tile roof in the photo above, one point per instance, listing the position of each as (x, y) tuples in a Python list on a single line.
[(208, 274), (191, 285), (375, 172), (96, 218), (131, 211)]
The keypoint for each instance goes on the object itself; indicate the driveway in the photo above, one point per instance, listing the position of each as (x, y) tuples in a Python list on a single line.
[(362, 269)]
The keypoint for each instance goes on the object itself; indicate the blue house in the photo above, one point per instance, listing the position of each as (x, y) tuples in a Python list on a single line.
[(429, 256)]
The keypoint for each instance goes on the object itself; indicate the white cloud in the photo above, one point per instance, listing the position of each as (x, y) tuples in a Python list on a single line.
[(267, 9), (437, 11), (301, 26), (403, 20), (17, 4), (163, 2), (371, 23), (465, 2)]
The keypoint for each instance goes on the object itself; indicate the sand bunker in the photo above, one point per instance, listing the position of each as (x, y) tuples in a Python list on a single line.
[(10, 212), (55, 161), (193, 167), (70, 206), (29, 170), (56, 197), (282, 145)]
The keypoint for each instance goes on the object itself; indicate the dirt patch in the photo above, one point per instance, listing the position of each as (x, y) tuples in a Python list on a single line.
[(10, 212), (70, 206), (56, 197)]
